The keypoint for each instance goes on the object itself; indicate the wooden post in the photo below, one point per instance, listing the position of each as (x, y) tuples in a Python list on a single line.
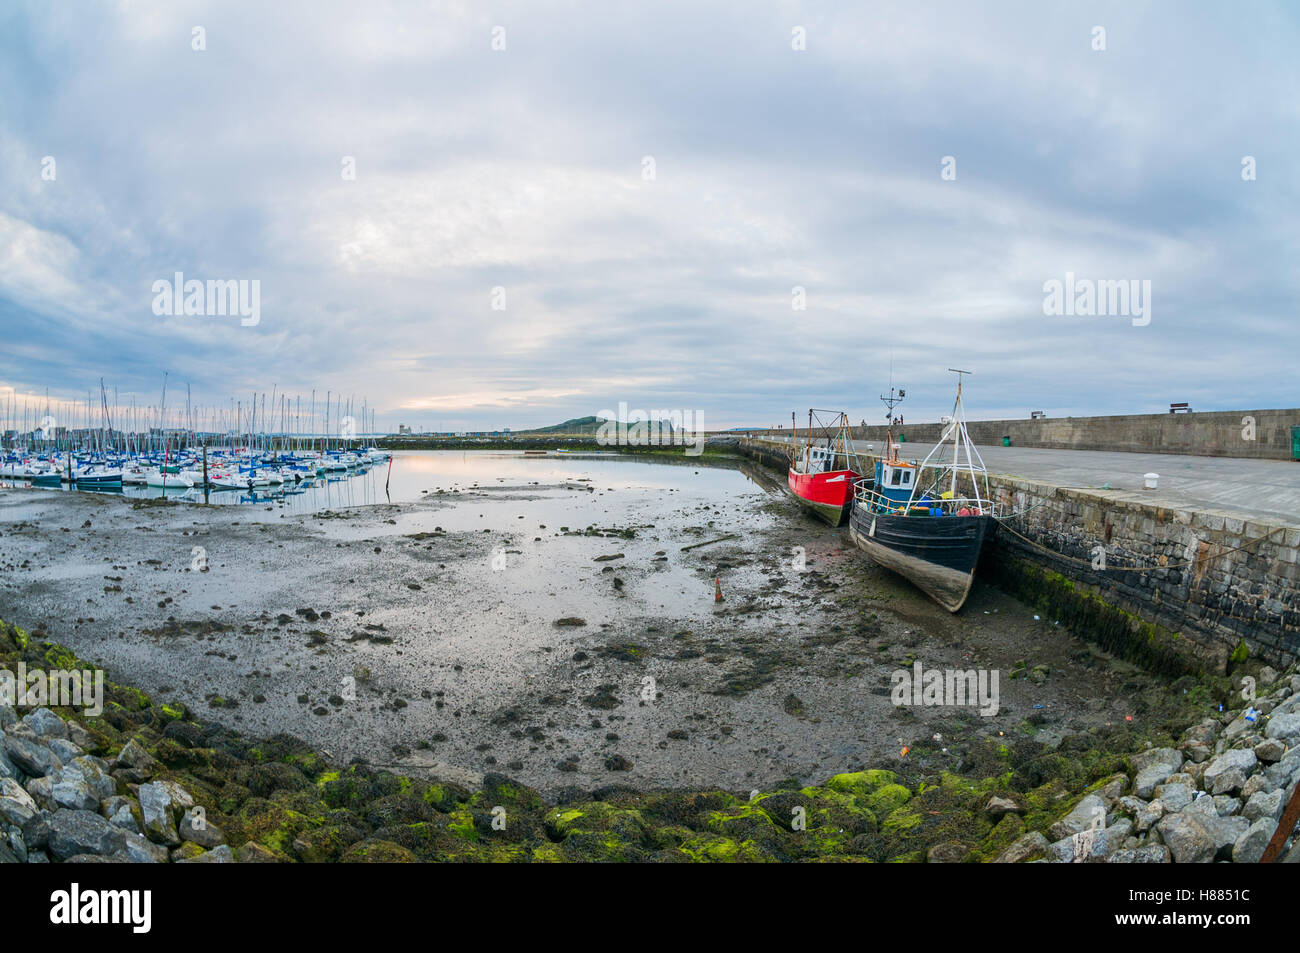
[(205, 473), (1284, 829)]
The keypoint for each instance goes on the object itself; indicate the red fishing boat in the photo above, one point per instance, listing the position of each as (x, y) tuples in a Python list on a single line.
[(825, 469)]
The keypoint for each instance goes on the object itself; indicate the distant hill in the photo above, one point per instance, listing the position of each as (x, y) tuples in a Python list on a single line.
[(576, 425), (587, 425)]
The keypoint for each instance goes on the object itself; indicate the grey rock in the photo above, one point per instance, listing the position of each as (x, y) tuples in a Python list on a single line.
[(1283, 726), (134, 758), (1090, 846), (1267, 676), (8, 717), (997, 806), (72, 791), (1240, 727), (1187, 839), (17, 807), (1225, 831), (79, 736), (42, 792), (1255, 783), (1113, 787), (1270, 750), (7, 768), (1147, 818), (219, 855), (46, 724), (1153, 766), (1282, 772), (1130, 805), (1202, 803), (30, 756), (64, 749), (91, 771), (181, 800), (1205, 732), (1263, 804), (1225, 805), (1150, 854), (1024, 847), (17, 844), (156, 810), (138, 849), (1174, 797), (1088, 813), (1239, 760), (1249, 847), (117, 811), (1234, 779), (82, 832), (195, 827)]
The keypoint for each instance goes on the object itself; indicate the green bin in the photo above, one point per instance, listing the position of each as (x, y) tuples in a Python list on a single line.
[(1006, 441), (1295, 443)]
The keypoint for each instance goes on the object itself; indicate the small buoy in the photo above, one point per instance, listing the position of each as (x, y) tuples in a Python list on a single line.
[(903, 753), (1128, 717)]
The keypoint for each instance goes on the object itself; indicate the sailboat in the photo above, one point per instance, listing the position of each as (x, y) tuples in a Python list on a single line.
[(824, 473), (932, 535)]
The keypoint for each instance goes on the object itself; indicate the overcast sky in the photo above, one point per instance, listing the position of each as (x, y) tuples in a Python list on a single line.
[(525, 169)]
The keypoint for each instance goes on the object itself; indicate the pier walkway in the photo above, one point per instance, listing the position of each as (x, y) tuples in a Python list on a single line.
[(1260, 488)]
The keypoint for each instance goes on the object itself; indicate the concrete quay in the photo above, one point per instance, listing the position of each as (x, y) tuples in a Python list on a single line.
[(1201, 572)]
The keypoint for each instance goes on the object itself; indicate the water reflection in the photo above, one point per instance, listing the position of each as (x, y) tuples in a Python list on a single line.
[(415, 473)]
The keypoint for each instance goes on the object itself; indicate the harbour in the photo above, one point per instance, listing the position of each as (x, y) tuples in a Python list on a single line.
[(667, 434)]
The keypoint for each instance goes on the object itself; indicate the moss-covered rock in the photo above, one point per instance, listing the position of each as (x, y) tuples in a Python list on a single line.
[(378, 852)]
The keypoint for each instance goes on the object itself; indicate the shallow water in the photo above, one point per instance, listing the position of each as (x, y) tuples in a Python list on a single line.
[(415, 474)]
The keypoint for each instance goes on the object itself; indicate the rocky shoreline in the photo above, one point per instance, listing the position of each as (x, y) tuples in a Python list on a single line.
[(148, 782)]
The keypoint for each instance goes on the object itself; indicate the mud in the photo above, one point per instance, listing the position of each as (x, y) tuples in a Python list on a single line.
[(561, 631)]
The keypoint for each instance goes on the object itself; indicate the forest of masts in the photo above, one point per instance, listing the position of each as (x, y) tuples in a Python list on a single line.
[(279, 422)]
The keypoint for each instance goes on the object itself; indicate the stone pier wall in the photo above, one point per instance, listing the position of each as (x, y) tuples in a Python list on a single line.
[(1214, 587), (1264, 434)]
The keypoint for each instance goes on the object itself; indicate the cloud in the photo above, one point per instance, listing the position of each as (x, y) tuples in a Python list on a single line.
[(522, 170)]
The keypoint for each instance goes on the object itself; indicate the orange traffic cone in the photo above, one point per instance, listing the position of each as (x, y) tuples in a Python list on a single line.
[(717, 588)]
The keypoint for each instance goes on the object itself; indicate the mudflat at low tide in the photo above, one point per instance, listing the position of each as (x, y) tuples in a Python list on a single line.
[(563, 629)]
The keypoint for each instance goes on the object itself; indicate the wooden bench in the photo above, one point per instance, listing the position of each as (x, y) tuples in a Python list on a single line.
[(1179, 409)]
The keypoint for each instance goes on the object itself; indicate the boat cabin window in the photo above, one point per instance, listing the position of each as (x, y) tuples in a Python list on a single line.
[(900, 477)]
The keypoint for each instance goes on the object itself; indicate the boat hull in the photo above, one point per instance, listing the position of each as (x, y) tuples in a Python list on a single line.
[(829, 496), (938, 555)]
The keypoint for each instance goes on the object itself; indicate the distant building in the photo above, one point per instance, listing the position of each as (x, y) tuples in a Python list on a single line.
[(402, 429)]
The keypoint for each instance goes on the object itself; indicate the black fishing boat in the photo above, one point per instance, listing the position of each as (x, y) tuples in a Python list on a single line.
[(932, 536)]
